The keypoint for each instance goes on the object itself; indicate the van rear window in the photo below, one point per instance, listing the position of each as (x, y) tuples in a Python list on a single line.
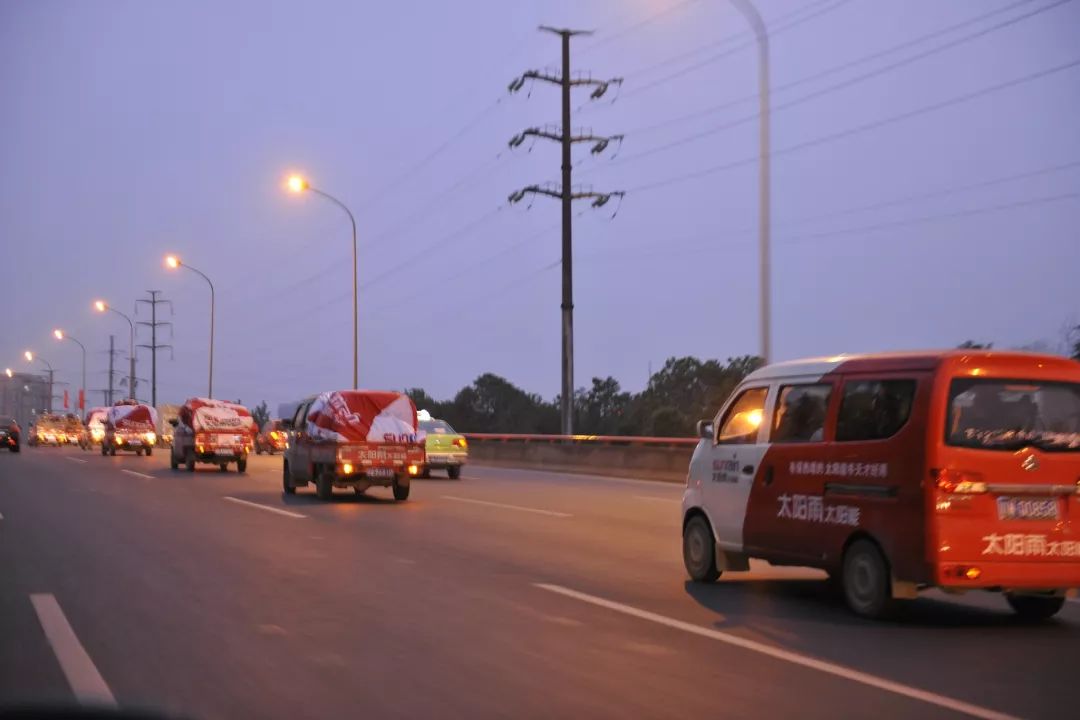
[(874, 409), (995, 414)]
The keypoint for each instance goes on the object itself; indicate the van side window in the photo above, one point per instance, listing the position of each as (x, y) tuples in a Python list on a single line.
[(743, 418), (874, 409), (800, 413)]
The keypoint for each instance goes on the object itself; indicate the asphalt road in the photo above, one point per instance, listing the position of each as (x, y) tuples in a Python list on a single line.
[(509, 593)]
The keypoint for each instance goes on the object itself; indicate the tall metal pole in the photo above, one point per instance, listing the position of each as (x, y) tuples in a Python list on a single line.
[(112, 350), (355, 286), (82, 389), (567, 400), (210, 384), (752, 16)]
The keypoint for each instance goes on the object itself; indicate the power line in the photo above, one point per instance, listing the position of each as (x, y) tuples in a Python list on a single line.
[(866, 127), (841, 85), (438, 150), (826, 72)]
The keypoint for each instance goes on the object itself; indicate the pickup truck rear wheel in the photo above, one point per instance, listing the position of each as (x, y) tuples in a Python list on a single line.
[(241, 465), (401, 492), (149, 452), (287, 486), (1035, 607), (324, 486), (189, 460), (453, 472)]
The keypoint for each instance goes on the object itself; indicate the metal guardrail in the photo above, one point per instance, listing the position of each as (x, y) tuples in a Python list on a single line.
[(624, 440)]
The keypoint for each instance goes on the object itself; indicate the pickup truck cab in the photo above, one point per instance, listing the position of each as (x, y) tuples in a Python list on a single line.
[(352, 439), (895, 473), (214, 432)]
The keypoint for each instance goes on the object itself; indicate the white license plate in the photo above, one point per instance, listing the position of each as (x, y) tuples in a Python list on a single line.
[(134, 442), (380, 472), (1021, 508), (223, 451)]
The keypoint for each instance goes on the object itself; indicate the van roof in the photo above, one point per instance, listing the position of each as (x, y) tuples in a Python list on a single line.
[(900, 361)]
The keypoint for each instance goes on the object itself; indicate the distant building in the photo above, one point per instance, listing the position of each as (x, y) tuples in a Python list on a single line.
[(24, 396)]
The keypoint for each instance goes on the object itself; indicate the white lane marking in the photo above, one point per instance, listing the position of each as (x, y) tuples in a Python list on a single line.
[(74, 459), (1, 516), (279, 511), (653, 498), (786, 655), (538, 511), (85, 680), (138, 474)]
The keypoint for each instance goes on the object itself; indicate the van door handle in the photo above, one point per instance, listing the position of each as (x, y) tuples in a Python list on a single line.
[(748, 470), (768, 476)]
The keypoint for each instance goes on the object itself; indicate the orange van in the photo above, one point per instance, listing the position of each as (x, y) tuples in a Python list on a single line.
[(895, 473)]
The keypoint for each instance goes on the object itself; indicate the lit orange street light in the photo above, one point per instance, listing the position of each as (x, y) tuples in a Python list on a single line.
[(297, 184), (61, 335), (9, 372), (102, 306), (30, 358), (173, 262)]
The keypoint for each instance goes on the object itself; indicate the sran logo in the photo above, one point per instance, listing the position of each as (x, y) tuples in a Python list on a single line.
[(1030, 463)]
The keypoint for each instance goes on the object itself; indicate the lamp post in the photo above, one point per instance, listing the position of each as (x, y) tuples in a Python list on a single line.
[(173, 262), (746, 7), (298, 184), (102, 306), (30, 356), (60, 335)]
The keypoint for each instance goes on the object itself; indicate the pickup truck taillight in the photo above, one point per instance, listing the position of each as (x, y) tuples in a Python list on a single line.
[(461, 443)]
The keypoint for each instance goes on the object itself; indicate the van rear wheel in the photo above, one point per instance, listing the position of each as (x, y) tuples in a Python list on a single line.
[(401, 492), (866, 581), (286, 479), (1035, 607), (699, 551)]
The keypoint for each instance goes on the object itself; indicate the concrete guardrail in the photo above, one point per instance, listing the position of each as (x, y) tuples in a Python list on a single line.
[(645, 458)]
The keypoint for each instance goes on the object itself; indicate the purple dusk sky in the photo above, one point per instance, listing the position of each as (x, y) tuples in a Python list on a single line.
[(914, 206)]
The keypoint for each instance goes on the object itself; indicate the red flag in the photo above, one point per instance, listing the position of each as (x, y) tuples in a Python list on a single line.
[(82, 399), (65, 399)]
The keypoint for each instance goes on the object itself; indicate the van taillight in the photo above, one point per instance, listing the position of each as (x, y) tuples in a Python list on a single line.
[(960, 482)]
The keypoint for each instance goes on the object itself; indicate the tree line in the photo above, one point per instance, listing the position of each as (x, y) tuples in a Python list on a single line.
[(683, 391)]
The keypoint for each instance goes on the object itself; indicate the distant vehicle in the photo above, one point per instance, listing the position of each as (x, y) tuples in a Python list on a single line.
[(94, 431), (10, 434), (215, 432), (272, 438), (446, 449), (47, 430), (895, 473), (130, 426), (353, 438), (72, 430)]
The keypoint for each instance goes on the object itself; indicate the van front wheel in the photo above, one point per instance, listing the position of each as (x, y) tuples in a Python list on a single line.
[(699, 551), (1035, 607), (866, 581)]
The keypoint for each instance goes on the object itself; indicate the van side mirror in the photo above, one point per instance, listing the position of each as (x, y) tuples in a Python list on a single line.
[(174, 421), (705, 429)]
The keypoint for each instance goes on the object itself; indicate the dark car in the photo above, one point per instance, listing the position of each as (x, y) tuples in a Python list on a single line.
[(10, 435), (271, 438)]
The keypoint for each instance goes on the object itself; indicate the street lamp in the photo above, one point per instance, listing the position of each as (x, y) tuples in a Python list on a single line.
[(30, 358), (102, 306), (173, 262), (297, 184), (9, 372), (60, 335), (746, 7)]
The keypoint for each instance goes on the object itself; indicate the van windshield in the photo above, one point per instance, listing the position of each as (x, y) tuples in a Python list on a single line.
[(998, 414)]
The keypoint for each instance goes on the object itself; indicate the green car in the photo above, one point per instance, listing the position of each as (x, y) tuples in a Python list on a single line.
[(446, 449)]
